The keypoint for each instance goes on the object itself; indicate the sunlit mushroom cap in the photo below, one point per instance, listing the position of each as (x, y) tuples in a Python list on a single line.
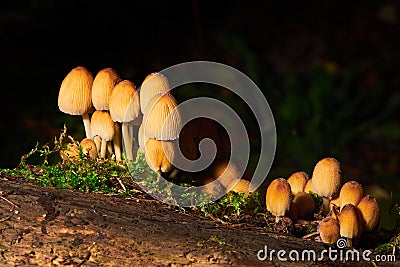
[(369, 212), (350, 193), (89, 148), (102, 125), (309, 188), (298, 181), (75, 95), (305, 204), (329, 230), (327, 177), (349, 221), (162, 119), (103, 84), (227, 173), (278, 197), (159, 154), (242, 186), (155, 83), (124, 102)]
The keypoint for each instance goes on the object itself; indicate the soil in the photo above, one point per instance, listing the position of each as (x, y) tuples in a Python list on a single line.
[(42, 226)]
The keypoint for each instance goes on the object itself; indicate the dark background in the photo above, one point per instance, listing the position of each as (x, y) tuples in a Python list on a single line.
[(329, 69)]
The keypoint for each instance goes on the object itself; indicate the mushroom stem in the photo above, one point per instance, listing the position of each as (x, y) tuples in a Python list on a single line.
[(86, 124), (277, 219), (103, 149), (325, 204), (127, 141), (110, 148), (174, 172), (117, 142)]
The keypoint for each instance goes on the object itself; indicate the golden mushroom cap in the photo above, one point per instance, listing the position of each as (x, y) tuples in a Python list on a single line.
[(162, 119), (124, 102), (242, 186), (103, 85), (278, 197), (351, 193), (155, 83), (329, 230), (369, 212), (89, 148), (70, 152), (309, 188), (350, 223), (102, 125), (298, 181), (160, 154), (75, 95), (304, 203), (327, 177)]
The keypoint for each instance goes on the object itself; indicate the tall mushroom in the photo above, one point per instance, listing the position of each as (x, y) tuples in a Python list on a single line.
[(75, 95), (124, 108), (298, 181), (350, 193), (103, 126), (369, 212), (350, 224), (278, 197), (155, 83), (326, 179)]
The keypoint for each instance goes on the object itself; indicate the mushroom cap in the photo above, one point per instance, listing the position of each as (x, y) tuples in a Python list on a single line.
[(369, 212), (242, 186), (102, 125), (227, 174), (298, 181), (70, 152), (159, 154), (327, 177), (103, 85), (155, 83), (309, 187), (292, 213), (329, 230), (89, 148), (350, 224), (304, 203), (350, 193), (124, 102), (278, 197), (162, 119), (75, 95)]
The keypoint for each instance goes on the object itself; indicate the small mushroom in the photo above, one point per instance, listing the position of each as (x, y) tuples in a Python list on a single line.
[(159, 155), (242, 186), (278, 197), (155, 83), (329, 230), (89, 148), (305, 204), (75, 95), (227, 173), (327, 178), (103, 126), (369, 212), (350, 193), (162, 119), (125, 108), (350, 224), (70, 152), (298, 181), (309, 188)]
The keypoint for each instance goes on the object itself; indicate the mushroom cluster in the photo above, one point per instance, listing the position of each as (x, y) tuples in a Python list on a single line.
[(112, 103), (347, 211)]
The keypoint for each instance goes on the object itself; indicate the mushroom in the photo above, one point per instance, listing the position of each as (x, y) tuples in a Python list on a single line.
[(227, 173), (159, 155), (242, 186), (155, 83), (305, 204), (278, 198), (117, 141), (329, 230), (75, 95), (298, 181), (103, 126), (350, 193), (327, 178), (350, 224), (124, 108), (369, 212), (103, 85), (309, 187), (70, 152), (89, 148), (162, 119)]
